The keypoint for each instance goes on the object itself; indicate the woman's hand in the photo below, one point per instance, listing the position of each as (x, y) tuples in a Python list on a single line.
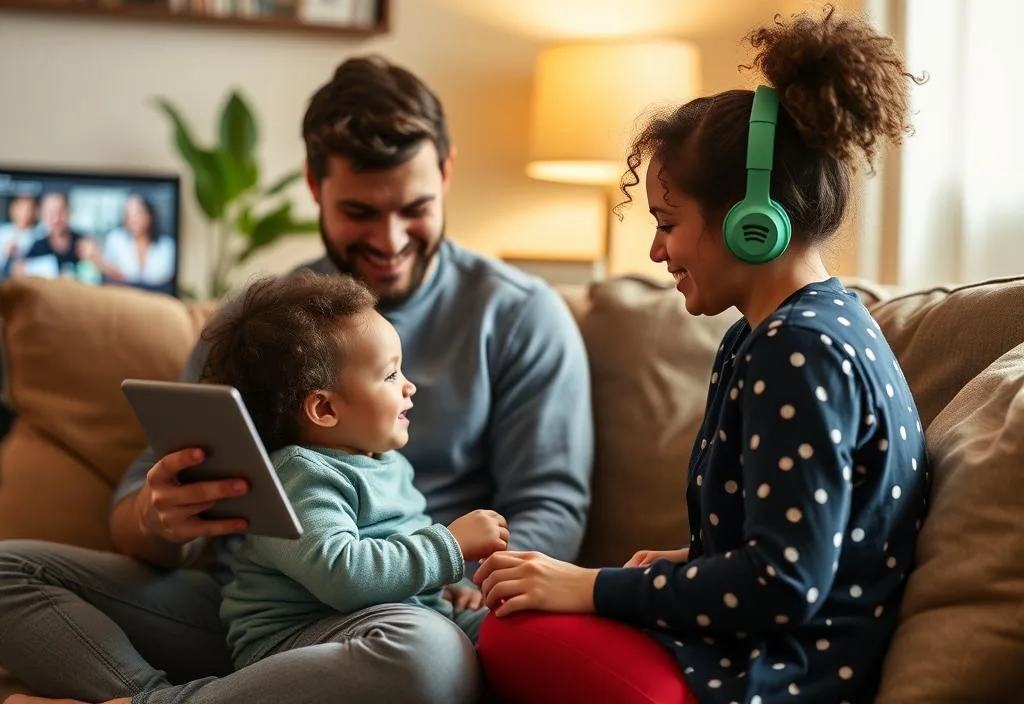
[(646, 557), (517, 581)]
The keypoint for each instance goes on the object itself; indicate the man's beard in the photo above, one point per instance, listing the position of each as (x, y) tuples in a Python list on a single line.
[(345, 264)]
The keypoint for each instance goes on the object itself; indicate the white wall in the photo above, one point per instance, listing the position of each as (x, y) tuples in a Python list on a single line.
[(75, 92)]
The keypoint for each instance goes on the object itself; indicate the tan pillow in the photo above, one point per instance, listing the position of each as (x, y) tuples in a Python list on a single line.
[(961, 636), (944, 336), (67, 347), (650, 362)]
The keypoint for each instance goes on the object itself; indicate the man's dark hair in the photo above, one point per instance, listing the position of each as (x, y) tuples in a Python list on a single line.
[(374, 114), (281, 340)]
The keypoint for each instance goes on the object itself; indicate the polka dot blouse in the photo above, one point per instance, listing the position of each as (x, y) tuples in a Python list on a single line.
[(808, 483)]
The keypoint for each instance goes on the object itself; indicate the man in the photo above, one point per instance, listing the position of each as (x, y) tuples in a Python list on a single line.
[(502, 420)]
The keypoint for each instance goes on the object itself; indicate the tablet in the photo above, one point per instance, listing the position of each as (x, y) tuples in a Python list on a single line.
[(177, 415)]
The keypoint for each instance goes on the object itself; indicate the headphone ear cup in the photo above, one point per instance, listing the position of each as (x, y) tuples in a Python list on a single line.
[(756, 234)]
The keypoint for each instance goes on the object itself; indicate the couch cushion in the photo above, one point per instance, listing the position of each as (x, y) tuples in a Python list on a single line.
[(944, 336), (650, 362), (961, 634), (66, 349)]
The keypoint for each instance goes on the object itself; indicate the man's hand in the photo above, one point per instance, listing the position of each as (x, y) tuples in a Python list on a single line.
[(169, 511), (464, 597), (517, 581), (646, 557), (480, 533)]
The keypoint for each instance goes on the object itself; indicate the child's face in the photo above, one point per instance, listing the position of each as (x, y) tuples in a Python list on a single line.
[(372, 397)]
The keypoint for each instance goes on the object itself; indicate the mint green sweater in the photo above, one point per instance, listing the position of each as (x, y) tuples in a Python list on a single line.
[(366, 541)]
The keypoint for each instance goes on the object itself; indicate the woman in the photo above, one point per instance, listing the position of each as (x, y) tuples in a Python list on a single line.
[(808, 480), (136, 253)]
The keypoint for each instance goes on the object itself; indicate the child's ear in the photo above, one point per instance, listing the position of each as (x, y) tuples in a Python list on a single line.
[(321, 408)]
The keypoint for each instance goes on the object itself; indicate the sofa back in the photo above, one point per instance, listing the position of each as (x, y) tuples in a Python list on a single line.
[(67, 347)]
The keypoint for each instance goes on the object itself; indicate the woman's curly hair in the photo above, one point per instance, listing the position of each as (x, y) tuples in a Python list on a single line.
[(843, 91)]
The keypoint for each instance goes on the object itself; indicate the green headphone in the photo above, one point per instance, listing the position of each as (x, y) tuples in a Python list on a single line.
[(757, 229)]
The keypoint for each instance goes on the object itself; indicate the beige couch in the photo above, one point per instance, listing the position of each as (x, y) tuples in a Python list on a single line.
[(961, 639)]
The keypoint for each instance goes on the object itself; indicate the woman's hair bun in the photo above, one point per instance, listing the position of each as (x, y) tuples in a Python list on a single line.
[(844, 85)]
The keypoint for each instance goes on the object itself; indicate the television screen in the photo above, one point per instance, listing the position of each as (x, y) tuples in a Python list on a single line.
[(98, 228)]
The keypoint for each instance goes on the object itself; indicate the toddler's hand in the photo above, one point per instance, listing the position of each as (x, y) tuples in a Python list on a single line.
[(480, 533), (463, 597), (646, 557)]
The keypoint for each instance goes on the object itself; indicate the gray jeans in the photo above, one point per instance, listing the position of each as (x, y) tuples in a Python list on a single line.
[(95, 626)]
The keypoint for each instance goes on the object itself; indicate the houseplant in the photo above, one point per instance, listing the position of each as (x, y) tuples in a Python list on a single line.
[(244, 216)]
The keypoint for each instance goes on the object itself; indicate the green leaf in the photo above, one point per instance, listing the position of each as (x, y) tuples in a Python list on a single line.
[(238, 137), (272, 226), (207, 176), (283, 183)]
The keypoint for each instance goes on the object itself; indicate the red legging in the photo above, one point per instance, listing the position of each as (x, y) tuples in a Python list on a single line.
[(536, 658)]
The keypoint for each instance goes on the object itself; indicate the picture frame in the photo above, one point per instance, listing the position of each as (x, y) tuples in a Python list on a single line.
[(339, 17)]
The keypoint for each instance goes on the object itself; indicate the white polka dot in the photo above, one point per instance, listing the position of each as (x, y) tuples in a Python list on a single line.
[(903, 432), (679, 644), (763, 491), (755, 699), (794, 515), (872, 333), (700, 480), (869, 419), (856, 592), (762, 581), (869, 353), (896, 492), (883, 444), (755, 441), (822, 644), (828, 622), (758, 387), (688, 670), (703, 620), (731, 487), (919, 426), (838, 302), (713, 519), (889, 390), (849, 349), (722, 435), (692, 572), (660, 581), (847, 475), (791, 554), (793, 689), (805, 451), (748, 358), (821, 496), (885, 546), (714, 377), (730, 600), (808, 314), (787, 411), (843, 321), (660, 623), (812, 595), (647, 571), (774, 324), (821, 393), (836, 435), (769, 570), (913, 463), (771, 333), (739, 383), (785, 463), (837, 540), (797, 359), (857, 535), (734, 393), (826, 339), (847, 367), (879, 610), (845, 672), (891, 562), (780, 666)]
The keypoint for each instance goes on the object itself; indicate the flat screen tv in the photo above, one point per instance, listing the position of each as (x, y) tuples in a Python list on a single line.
[(96, 227)]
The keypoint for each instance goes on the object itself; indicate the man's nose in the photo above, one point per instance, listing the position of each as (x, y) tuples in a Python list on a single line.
[(390, 237)]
